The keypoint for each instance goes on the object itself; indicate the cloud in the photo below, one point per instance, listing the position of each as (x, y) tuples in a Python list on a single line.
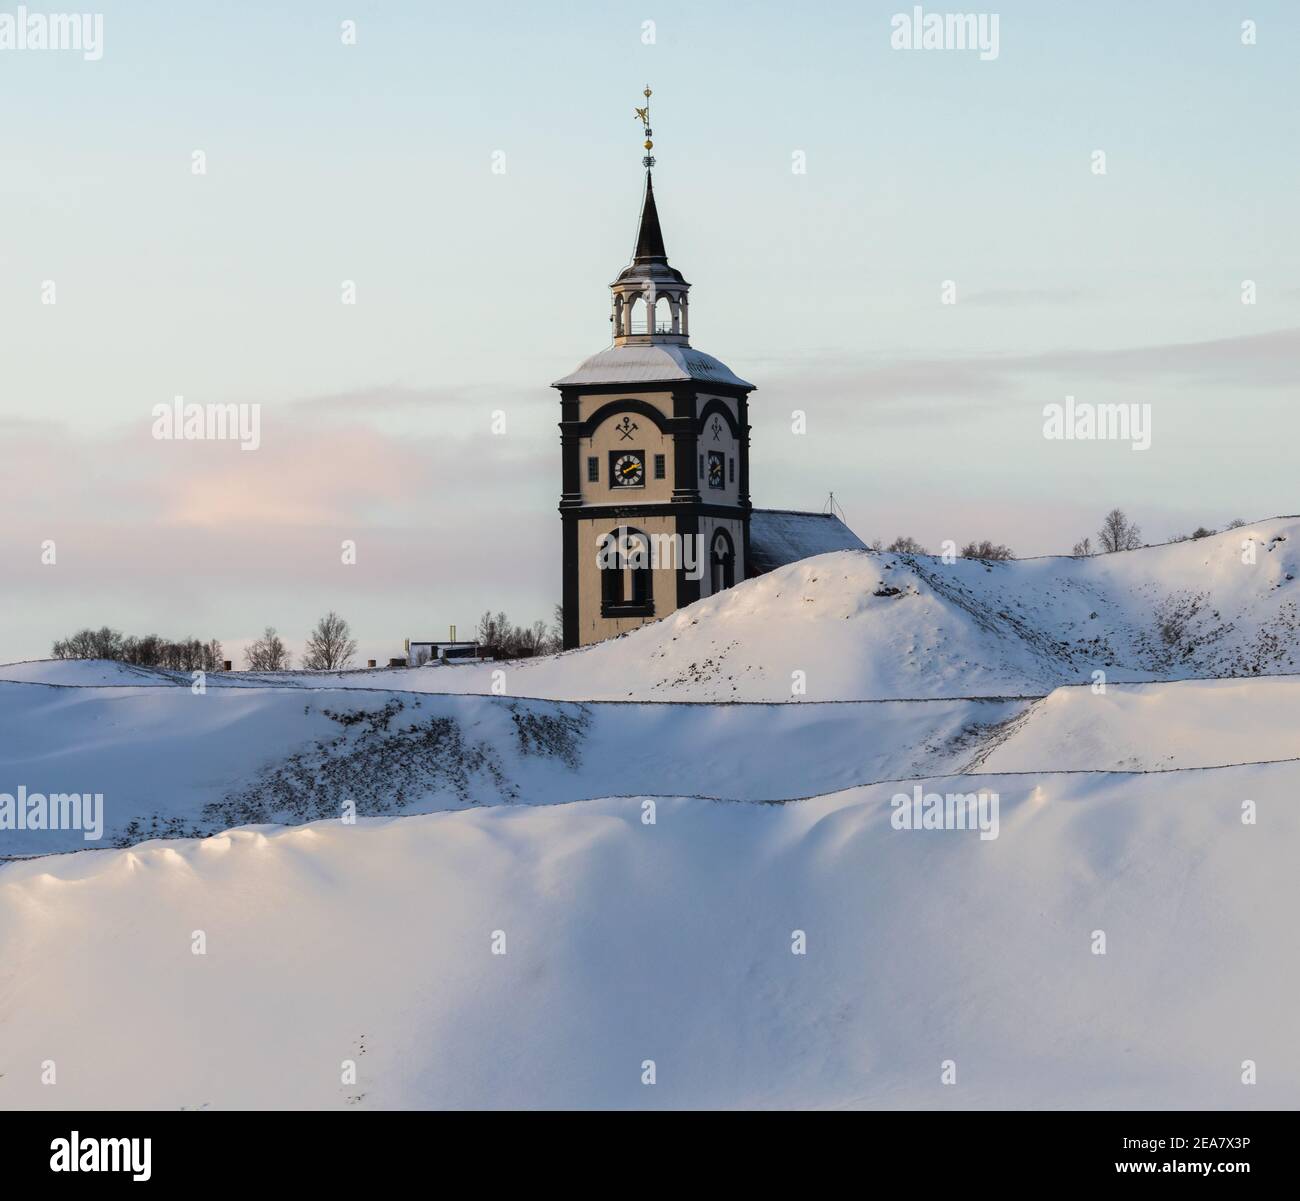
[(163, 534), (904, 390)]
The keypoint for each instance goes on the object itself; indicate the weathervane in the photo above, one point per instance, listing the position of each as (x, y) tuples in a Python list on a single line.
[(643, 115)]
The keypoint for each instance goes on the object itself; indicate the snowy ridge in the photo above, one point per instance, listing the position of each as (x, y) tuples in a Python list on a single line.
[(1123, 807), (672, 942), (863, 625)]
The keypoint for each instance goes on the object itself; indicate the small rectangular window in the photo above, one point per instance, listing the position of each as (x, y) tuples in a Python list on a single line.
[(701, 466), (733, 469), (593, 470), (659, 467)]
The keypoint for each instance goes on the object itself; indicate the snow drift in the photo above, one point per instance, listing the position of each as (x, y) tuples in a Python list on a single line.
[(627, 942)]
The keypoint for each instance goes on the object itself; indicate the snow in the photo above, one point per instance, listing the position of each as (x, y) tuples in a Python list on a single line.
[(865, 625), (1122, 799), (671, 942), (651, 363), (249, 754), (1147, 727), (874, 626)]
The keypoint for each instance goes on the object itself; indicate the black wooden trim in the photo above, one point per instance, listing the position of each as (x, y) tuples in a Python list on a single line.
[(716, 406), (624, 513), (570, 466), (569, 595), (688, 590), (651, 385), (628, 609), (627, 405), (744, 463)]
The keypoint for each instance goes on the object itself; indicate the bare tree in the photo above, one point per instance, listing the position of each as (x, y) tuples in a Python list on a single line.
[(1118, 533), (1083, 550), (103, 643), (535, 640), (267, 653), (1235, 524), (492, 629), (330, 645), (499, 636), (148, 650), (986, 550), (904, 544)]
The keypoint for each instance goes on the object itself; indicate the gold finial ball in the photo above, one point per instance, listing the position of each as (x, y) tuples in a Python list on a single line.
[(649, 145), (647, 93)]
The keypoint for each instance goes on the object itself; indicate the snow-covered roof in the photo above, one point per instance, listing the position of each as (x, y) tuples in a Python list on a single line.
[(781, 536), (644, 364)]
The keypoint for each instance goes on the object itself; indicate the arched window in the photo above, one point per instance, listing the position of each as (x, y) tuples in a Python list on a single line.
[(664, 323), (722, 562), (637, 319), (626, 588)]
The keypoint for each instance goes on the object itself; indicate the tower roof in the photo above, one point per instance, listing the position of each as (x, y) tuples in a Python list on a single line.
[(648, 364), (650, 258), (649, 238)]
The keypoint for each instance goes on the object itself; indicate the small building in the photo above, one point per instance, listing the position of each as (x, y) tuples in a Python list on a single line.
[(420, 653)]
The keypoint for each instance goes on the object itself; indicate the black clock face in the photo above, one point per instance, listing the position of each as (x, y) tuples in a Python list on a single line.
[(717, 474), (626, 468)]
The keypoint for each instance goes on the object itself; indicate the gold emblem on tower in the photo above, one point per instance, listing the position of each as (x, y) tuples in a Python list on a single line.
[(643, 115)]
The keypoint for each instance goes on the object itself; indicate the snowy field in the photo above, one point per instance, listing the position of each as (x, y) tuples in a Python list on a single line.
[(520, 822)]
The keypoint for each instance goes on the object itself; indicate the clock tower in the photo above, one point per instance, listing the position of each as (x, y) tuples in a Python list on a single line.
[(654, 437)]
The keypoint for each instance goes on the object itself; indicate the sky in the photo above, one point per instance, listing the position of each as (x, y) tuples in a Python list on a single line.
[(474, 172)]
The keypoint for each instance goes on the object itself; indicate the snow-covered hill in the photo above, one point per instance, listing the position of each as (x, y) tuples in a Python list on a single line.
[(627, 941), (1148, 727), (868, 625), (862, 625), (255, 755), (672, 943), (169, 762)]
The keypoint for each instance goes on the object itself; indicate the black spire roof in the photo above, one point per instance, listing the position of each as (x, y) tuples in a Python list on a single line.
[(649, 238)]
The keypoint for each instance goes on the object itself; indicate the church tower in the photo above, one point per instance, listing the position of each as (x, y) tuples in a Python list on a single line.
[(655, 441)]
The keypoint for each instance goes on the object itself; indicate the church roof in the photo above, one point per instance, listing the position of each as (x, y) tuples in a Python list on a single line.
[(650, 258), (781, 536), (647, 364), (649, 238)]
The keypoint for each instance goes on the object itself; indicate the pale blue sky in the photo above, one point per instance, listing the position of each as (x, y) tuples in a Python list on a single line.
[(373, 163)]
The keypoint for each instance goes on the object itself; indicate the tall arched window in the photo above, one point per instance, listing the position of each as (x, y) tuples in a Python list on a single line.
[(626, 588), (637, 317), (722, 561), (664, 323)]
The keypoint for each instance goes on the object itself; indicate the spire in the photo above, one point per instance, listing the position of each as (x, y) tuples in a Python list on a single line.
[(649, 238), (649, 296)]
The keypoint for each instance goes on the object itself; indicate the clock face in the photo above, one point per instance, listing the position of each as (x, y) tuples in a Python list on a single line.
[(717, 464), (626, 468)]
